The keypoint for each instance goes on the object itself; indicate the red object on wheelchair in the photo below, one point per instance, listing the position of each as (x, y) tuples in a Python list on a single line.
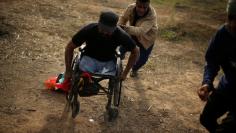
[(64, 86), (50, 83), (58, 83), (87, 75)]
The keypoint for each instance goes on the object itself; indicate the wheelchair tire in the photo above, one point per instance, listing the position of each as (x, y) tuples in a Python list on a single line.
[(72, 99), (74, 104), (111, 115), (118, 85), (75, 107), (117, 93)]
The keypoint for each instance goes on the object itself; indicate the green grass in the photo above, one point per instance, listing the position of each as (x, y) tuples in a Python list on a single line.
[(169, 34), (179, 31)]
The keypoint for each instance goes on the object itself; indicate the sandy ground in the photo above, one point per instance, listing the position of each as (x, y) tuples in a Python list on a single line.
[(33, 35)]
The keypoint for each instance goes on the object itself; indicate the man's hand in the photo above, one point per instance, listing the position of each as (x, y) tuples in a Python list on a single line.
[(203, 92)]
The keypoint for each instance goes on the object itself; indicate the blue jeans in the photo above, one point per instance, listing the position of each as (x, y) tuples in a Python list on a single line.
[(88, 64), (143, 57)]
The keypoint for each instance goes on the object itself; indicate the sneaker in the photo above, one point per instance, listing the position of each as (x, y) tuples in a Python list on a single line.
[(134, 73)]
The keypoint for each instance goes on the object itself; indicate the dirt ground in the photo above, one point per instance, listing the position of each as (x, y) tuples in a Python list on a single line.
[(33, 35)]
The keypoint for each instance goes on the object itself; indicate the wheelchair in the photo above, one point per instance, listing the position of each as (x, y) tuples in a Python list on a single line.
[(89, 84)]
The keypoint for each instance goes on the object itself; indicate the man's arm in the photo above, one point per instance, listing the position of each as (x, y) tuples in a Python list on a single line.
[(213, 58), (69, 50), (131, 61), (210, 73), (140, 30)]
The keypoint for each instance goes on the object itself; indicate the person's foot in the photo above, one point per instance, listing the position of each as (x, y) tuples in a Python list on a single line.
[(134, 73)]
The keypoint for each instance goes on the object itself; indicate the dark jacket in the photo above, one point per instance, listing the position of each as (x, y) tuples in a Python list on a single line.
[(221, 53)]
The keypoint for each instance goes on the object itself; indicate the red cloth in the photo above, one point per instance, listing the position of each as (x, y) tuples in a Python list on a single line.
[(87, 75), (65, 86), (50, 83)]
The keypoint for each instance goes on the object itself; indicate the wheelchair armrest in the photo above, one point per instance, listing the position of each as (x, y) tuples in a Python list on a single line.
[(118, 54)]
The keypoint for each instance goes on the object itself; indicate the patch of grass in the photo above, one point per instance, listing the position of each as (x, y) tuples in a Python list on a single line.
[(186, 30), (172, 33), (168, 34)]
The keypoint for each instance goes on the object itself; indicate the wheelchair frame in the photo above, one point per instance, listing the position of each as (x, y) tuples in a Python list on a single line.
[(113, 91)]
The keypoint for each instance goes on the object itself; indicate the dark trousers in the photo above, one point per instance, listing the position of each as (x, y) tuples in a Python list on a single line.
[(143, 57), (216, 106)]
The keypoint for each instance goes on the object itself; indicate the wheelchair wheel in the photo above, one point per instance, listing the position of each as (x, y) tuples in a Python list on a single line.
[(112, 114), (117, 93), (72, 98), (75, 107), (118, 84), (113, 111)]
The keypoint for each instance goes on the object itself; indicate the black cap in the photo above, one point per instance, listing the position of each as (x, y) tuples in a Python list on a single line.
[(108, 21)]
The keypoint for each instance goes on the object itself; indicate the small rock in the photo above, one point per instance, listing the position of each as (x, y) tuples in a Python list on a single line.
[(91, 120)]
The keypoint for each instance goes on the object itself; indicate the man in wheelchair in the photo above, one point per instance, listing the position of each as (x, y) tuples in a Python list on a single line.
[(101, 40), (99, 53)]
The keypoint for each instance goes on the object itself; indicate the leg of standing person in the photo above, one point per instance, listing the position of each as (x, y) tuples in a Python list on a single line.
[(229, 122), (214, 108)]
